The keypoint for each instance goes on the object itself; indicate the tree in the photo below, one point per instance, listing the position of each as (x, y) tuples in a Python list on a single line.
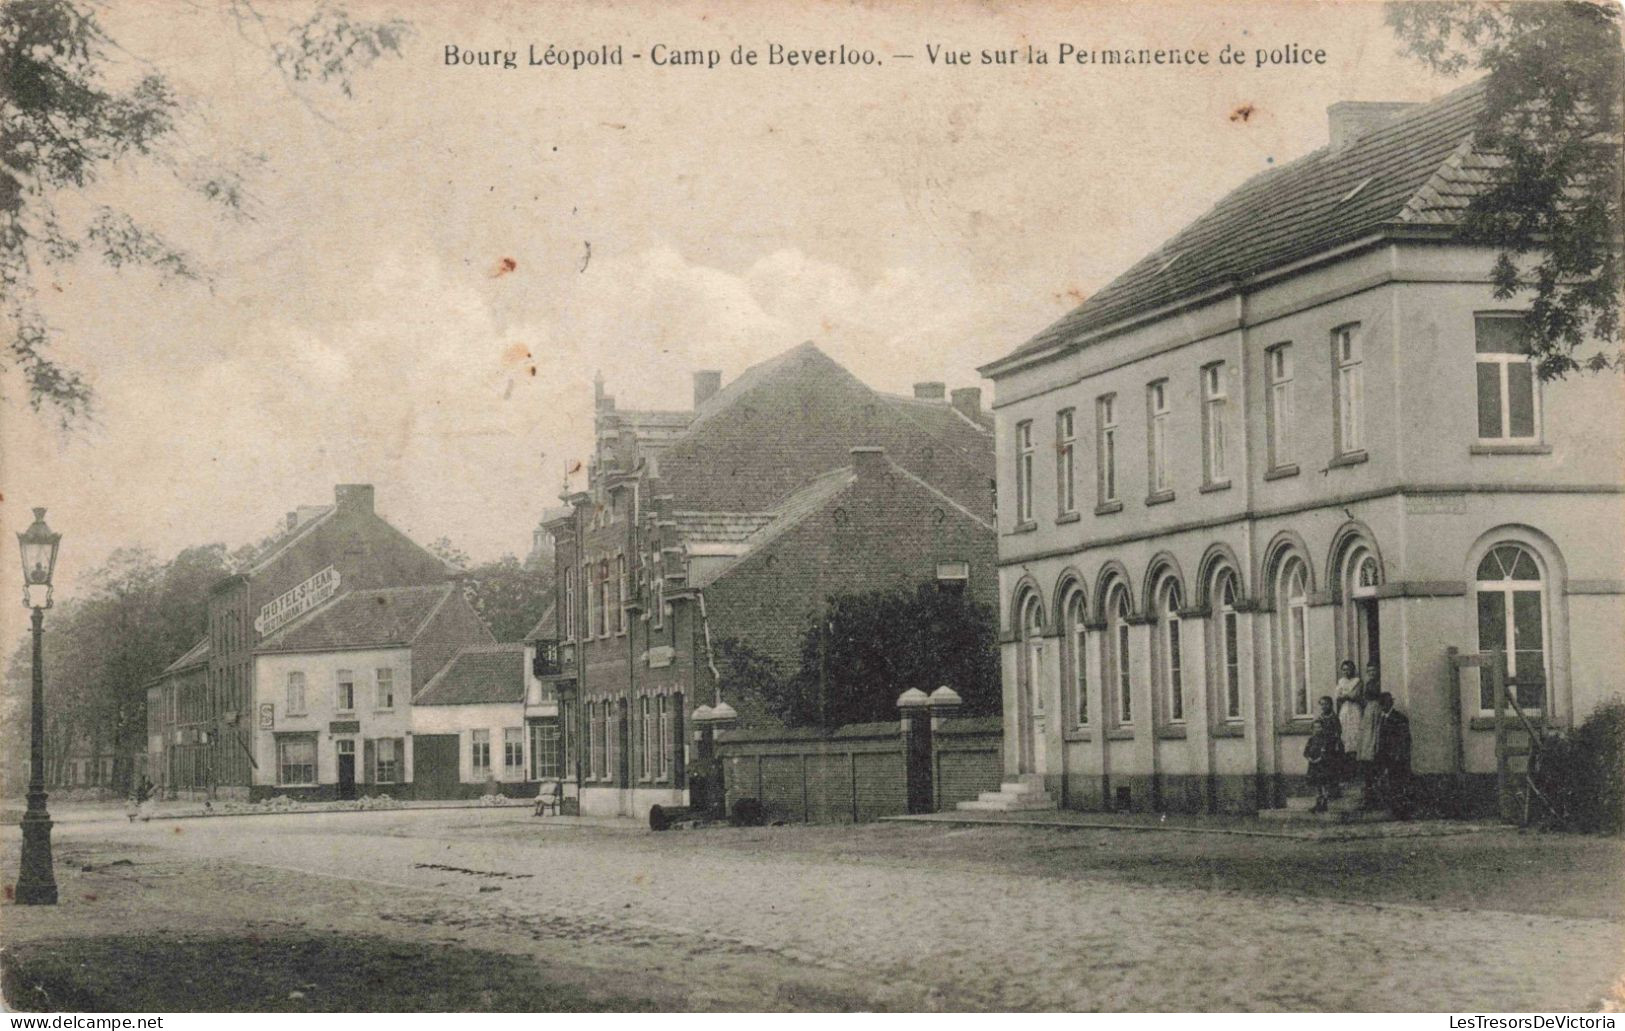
[(102, 650), (1552, 122), (72, 110), (510, 598), (871, 647)]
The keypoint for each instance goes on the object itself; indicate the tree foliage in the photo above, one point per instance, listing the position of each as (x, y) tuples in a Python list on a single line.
[(508, 596), (101, 651), (75, 106), (870, 647), (1555, 72)]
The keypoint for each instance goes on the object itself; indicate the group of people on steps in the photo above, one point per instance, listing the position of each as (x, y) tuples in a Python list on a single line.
[(1359, 737)]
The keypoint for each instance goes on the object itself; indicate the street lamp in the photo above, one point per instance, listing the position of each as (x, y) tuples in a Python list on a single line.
[(36, 884)]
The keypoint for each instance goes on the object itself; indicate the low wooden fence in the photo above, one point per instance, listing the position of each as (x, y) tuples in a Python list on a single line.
[(856, 773)]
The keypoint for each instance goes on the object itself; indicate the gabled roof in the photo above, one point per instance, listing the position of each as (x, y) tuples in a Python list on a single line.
[(719, 527), (547, 626), (1414, 170), (196, 655), (381, 617), (311, 516), (761, 372), (478, 674), (786, 516)]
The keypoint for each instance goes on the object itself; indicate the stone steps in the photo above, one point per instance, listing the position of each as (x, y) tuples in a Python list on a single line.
[(1340, 810), (1024, 794)]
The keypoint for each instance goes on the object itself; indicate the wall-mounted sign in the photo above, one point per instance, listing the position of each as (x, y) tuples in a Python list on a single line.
[(286, 607), (267, 716)]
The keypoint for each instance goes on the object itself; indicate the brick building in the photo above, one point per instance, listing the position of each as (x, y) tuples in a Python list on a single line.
[(734, 521), (1303, 431), (321, 552), (334, 703)]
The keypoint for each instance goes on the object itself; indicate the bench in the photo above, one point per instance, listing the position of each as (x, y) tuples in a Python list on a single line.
[(549, 798)]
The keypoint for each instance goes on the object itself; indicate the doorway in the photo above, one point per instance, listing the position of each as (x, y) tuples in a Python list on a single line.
[(1364, 630), (346, 768)]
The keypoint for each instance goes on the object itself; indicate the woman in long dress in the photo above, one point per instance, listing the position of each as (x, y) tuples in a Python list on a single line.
[(1350, 707)]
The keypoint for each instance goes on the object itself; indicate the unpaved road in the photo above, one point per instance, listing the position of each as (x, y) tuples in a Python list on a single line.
[(889, 916)]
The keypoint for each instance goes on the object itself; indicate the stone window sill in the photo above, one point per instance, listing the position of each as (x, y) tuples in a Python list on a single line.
[(1299, 727), (1080, 734), (1161, 497), (1027, 527), (1068, 517), (1281, 472), (1348, 458), (1171, 732), (1510, 449), (1120, 734), (1228, 730), (1108, 507), (1215, 486)]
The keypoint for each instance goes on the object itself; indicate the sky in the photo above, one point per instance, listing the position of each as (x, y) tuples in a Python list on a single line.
[(912, 219)]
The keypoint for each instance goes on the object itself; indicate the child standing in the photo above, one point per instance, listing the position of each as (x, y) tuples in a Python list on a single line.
[(1324, 750)]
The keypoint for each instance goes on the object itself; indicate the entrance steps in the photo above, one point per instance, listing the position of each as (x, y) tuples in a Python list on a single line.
[(1024, 794), (1300, 808)]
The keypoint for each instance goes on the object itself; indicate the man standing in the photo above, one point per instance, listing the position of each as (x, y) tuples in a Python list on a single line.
[(1394, 756), (1366, 752)]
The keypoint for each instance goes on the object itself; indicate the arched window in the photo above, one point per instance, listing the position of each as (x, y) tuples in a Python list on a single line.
[(1115, 653), (1170, 664), (1074, 648), (1512, 620), (1032, 651), (1360, 576), (1227, 644), (1292, 633)]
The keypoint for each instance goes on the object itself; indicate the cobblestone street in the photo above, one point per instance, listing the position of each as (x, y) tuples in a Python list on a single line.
[(888, 916)]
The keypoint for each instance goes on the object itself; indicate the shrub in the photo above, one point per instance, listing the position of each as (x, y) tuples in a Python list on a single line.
[(1583, 771)]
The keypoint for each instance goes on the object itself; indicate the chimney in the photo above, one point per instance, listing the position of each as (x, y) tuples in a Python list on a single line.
[(928, 391), (706, 383), (868, 461), (353, 497), (968, 400), (1348, 120)]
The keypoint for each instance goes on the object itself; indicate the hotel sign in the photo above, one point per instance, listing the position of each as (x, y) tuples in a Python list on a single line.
[(289, 606)]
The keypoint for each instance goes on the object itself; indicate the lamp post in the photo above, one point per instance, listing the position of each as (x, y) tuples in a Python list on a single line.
[(36, 884)]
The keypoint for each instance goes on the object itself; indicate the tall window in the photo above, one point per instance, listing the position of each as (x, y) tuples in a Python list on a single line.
[(1171, 665), (1512, 621), (620, 594), (665, 738), (513, 753), (296, 759), (1227, 637), (1157, 434), (544, 750), (386, 761), (1346, 352), (385, 693), (1116, 653), (651, 743), (344, 694), (589, 595), (1278, 367), (1292, 633), (657, 607), (1213, 410), (612, 741), (1074, 657), (1066, 437), (1106, 444), (595, 711), (1508, 403), (296, 695), (569, 604), (1024, 472), (479, 750), (1032, 646), (603, 597)]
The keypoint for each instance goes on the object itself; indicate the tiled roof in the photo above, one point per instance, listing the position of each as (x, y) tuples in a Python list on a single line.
[(719, 527), (478, 674), (547, 626), (193, 656), (787, 515), (1414, 170), (363, 619), (310, 517), (759, 373)]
